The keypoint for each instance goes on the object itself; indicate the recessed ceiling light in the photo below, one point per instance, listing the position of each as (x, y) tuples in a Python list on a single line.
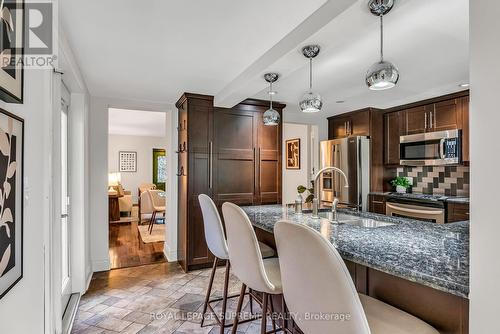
[(464, 85)]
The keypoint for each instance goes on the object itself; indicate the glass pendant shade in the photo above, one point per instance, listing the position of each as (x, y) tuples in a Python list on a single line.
[(311, 103), (382, 75), (271, 117)]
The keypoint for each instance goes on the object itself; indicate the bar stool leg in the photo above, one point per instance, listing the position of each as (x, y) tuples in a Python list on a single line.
[(224, 298), (285, 312), (273, 320), (209, 291), (238, 309), (251, 300), (263, 324)]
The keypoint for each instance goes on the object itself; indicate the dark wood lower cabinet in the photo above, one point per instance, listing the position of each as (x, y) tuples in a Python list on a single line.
[(448, 313), (376, 204)]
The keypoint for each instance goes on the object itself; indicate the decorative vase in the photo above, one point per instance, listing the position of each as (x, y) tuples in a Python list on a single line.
[(400, 190)]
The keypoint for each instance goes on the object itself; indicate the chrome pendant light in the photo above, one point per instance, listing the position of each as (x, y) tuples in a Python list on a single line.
[(271, 116), (311, 102), (383, 74)]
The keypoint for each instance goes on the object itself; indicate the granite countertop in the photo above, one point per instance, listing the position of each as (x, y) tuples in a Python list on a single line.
[(427, 253), (452, 199)]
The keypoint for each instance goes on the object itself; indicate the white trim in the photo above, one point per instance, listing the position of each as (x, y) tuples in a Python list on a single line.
[(100, 265), (88, 279), (170, 254)]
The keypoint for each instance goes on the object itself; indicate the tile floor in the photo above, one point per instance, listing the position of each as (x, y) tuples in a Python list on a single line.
[(157, 298)]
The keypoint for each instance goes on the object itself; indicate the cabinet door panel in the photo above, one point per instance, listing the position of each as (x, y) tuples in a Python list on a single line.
[(269, 163), (447, 116), (417, 120), (392, 131), (337, 128), (234, 156), (465, 129), (359, 125), (199, 253)]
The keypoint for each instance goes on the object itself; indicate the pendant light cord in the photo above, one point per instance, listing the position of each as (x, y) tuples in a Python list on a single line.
[(310, 74), (270, 94), (381, 38)]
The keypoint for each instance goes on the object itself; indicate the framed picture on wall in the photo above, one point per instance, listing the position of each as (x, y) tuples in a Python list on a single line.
[(11, 51), (11, 200), (128, 161), (293, 153)]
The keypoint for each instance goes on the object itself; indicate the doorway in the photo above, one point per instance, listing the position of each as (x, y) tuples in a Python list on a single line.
[(137, 165), (65, 200)]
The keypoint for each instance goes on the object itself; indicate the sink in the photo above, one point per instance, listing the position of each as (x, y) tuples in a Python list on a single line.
[(354, 220), (365, 222)]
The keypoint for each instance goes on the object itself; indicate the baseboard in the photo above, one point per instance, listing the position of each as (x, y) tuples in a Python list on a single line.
[(100, 265), (88, 279), (170, 254)]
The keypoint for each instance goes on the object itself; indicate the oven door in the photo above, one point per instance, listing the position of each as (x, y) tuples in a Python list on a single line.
[(418, 212), (430, 149)]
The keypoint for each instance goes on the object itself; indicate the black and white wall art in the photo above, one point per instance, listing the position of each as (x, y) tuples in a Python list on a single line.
[(11, 50), (11, 200), (128, 161)]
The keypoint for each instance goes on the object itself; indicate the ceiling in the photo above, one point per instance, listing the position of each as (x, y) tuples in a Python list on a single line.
[(136, 123), (223, 47), (155, 50)]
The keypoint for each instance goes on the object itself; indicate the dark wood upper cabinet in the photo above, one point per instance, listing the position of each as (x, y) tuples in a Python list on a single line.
[(355, 123), (360, 123), (447, 115), (442, 113), (337, 127), (392, 131), (231, 156), (465, 128), (417, 119)]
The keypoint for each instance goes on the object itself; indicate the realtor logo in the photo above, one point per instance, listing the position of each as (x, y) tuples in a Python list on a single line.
[(38, 28)]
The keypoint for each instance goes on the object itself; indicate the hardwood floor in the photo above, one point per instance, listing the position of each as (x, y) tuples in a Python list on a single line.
[(126, 248)]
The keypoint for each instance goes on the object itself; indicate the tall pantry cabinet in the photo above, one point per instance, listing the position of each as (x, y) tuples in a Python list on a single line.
[(228, 154)]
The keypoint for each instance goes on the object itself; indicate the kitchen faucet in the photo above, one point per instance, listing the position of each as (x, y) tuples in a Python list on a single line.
[(317, 196)]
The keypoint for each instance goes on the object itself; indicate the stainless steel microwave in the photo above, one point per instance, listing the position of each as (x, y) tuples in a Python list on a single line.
[(431, 148)]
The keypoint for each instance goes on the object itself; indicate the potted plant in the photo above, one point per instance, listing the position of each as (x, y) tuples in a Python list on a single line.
[(401, 184), (301, 189)]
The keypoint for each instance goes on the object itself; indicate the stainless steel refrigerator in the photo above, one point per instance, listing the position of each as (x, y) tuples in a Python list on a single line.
[(352, 156)]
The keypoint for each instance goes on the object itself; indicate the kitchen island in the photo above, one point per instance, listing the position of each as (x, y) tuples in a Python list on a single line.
[(420, 267)]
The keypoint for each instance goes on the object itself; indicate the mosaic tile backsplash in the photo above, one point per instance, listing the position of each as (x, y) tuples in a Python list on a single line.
[(438, 180)]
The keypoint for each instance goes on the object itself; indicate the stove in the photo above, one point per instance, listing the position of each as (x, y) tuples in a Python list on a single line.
[(425, 207)]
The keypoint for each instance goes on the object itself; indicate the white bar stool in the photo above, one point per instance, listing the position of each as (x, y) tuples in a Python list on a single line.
[(317, 282), (216, 242), (258, 274)]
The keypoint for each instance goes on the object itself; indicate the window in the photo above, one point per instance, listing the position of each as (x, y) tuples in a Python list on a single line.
[(159, 168)]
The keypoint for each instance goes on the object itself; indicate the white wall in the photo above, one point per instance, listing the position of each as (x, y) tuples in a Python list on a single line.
[(99, 175), (484, 121), (309, 150), (144, 147)]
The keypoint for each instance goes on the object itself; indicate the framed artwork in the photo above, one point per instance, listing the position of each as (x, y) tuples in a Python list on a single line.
[(128, 161), (11, 51), (293, 153), (11, 200)]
